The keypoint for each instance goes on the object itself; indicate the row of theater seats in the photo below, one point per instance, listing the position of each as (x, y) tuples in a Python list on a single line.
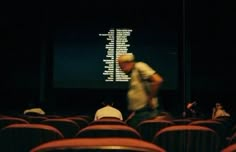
[(162, 134), (69, 126)]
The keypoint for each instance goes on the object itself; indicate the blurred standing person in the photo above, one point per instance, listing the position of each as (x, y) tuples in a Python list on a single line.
[(144, 85)]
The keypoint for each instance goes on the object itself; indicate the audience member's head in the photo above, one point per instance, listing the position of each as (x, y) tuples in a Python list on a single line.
[(34, 108), (108, 111), (218, 105), (218, 111)]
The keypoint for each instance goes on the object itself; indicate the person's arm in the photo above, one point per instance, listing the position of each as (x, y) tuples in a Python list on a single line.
[(156, 81), (147, 73)]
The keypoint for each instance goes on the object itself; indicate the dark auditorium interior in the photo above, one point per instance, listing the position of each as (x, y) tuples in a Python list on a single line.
[(52, 55)]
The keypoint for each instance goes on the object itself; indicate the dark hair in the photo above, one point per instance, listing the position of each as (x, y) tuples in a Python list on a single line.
[(218, 104), (34, 104), (108, 101)]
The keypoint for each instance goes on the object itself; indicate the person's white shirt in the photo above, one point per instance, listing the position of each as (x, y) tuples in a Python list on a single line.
[(139, 89), (35, 110), (108, 111)]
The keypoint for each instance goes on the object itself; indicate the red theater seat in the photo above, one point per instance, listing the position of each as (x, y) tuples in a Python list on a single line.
[(182, 121), (98, 145), (23, 137), (82, 122), (86, 117), (187, 138), (230, 148), (218, 127), (148, 128), (35, 119), (108, 131), (233, 139), (5, 121), (67, 127), (110, 121)]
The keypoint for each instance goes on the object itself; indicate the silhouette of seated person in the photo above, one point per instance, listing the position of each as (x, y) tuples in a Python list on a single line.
[(34, 110), (219, 111), (108, 111), (192, 110)]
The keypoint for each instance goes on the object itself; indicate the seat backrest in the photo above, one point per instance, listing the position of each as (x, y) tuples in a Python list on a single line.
[(148, 128), (53, 116), (233, 139), (23, 137), (108, 131), (98, 144), (82, 122), (227, 121), (86, 117), (108, 121), (230, 148), (67, 127), (5, 121), (35, 119), (187, 138), (218, 127), (4, 116), (232, 131), (194, 118), (181, 121)]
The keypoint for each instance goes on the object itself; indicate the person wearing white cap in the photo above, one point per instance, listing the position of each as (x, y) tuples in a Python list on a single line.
[(108, 111), (143, 88)]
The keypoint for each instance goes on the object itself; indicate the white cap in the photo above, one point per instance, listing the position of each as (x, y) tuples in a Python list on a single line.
[(126, 57)]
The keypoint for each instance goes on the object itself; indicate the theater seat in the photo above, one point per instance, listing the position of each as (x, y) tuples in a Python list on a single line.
[(82, 122), (230, 148), (23, 137), (181, 121), (148, 128), (98, 145), (108, 121), (67, 127), (233, 139), (5, 121), (35, 119), (218, 127), (187, 138), (108, 131), (86, 117)]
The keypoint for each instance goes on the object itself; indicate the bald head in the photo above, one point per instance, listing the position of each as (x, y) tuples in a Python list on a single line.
[(126, 62), (129, 57)]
